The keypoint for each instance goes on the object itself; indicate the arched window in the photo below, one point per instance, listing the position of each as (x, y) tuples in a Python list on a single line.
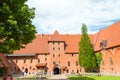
[(111, 61)]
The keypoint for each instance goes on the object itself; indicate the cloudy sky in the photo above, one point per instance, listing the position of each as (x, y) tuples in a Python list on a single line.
[(67, 16)]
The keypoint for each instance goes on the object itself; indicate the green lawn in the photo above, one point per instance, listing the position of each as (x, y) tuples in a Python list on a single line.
[(94, 78)]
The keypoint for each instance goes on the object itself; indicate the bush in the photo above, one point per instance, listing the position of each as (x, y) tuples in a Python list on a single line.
[(2, 71)]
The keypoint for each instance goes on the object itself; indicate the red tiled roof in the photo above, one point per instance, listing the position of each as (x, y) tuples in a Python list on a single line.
[(72, 41), (1, 64), (3, 61), (56, 37), (40, 43), (111, 34)]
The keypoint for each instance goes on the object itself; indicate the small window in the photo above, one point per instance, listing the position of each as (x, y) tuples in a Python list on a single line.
[(58, 55), (53, 43), (77, 71), (22, 68), (58, 43), (54, 62), (38, 60), (16, 61), (76, 63), (31, 61), (80, 69), (59, 48), (45, 54), (53, 48), (45, 59), (30, 67), (15, 68), (68, 63), (111, 61), (53, 55), (72, 55), (24, 60), (67, 70)]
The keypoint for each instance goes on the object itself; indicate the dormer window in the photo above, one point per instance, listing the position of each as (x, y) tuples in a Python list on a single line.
[(103, 44)]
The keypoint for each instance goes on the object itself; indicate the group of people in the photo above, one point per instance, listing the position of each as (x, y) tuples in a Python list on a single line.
[(5, 77)]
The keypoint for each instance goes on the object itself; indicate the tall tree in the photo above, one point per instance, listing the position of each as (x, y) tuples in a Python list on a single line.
[(86, 58), (98, 60), (16, 28)]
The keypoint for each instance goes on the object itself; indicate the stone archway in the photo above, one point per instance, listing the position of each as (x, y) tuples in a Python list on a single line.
[(56, 70)]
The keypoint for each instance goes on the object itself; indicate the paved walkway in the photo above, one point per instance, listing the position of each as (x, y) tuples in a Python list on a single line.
[(58, 77)]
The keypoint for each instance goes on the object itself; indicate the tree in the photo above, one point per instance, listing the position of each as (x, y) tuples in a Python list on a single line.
[(16, 28), (86, 58), (98, 60)]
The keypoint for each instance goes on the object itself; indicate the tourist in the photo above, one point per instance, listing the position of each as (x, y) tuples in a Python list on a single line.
[(4, 77), (11, 78)]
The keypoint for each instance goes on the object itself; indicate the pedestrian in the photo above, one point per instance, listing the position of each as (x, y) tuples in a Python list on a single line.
[(23, 72), (11, 78), (37, 76), (4, 77)]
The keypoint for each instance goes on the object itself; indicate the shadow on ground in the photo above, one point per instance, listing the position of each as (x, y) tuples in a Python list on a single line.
[(80, 78)]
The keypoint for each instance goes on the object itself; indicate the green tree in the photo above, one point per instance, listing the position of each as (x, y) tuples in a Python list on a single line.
[(16, 28), (86, 57), (98, 60)]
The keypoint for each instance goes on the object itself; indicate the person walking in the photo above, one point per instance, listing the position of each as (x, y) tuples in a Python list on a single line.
[(4, 77), (11, 78)]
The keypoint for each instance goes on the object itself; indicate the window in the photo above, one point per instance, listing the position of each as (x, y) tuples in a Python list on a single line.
[(68, 63), (53, 55), (24, 60), (31, 61), (77, 71), (111, 61), (58, 55), (80, 69), (45, 59), (30, 67), (16, 61), (103, 43), (58, 43), (72, 55), (76, 63), (67, 70), (58, 48), (22, 68), (53, 48), (53, 43), (15, 68), (54, 62), (45, 54), (38, 60)]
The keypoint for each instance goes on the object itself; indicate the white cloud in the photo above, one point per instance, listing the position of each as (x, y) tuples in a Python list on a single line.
[(66, 16)]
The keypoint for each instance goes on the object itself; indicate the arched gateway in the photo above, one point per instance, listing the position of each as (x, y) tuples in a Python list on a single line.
[(57, 70)]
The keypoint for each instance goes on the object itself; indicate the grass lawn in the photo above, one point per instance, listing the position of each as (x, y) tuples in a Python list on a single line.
[(30, 78), (94, 77)]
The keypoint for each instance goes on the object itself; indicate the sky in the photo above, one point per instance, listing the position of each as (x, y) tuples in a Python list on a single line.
[(67, 16)]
